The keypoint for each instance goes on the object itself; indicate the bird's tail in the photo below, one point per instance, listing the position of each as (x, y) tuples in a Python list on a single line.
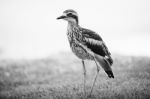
[(109, 59), (104, 62)]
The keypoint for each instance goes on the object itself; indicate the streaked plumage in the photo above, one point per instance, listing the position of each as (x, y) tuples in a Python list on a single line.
[(86, 44)]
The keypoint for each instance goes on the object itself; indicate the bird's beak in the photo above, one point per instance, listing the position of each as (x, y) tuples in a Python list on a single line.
[(61, 17)]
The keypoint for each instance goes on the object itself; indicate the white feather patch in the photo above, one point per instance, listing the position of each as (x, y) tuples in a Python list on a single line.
[(93, 41)]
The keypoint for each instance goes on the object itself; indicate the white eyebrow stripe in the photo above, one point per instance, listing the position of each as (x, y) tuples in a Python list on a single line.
[(75, 14)]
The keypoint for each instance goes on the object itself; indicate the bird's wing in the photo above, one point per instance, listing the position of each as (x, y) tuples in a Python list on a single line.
[(95, 43)]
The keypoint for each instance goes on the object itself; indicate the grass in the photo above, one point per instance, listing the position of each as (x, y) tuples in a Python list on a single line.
[(60, 77)]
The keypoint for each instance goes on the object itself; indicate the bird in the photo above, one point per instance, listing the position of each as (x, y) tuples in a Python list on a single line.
[(87, 45)]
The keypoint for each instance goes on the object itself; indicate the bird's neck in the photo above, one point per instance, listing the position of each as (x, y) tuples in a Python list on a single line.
[(72, 25)]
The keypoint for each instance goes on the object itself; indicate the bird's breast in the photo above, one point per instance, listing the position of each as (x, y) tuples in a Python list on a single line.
[(70, 37), (77, 49), (75, 39)]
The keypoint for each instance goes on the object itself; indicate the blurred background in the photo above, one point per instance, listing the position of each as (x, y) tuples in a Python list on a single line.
[(36, 61), (29, 29)]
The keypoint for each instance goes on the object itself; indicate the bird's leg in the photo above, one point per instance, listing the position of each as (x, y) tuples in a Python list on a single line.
[(98, 68), (84, 73)]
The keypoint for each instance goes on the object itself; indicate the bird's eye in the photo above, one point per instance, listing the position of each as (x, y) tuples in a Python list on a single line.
[(69, 14)]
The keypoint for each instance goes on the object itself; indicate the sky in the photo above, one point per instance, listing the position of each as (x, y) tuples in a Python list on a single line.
[(29, 29)]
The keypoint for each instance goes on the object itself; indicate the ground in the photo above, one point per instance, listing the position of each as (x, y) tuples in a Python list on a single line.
[(61, 77)]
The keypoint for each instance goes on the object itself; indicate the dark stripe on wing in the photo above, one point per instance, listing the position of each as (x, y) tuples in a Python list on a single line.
[(98, 49)]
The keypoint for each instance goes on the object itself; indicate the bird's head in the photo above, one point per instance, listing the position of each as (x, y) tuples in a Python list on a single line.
[(70, 16)]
